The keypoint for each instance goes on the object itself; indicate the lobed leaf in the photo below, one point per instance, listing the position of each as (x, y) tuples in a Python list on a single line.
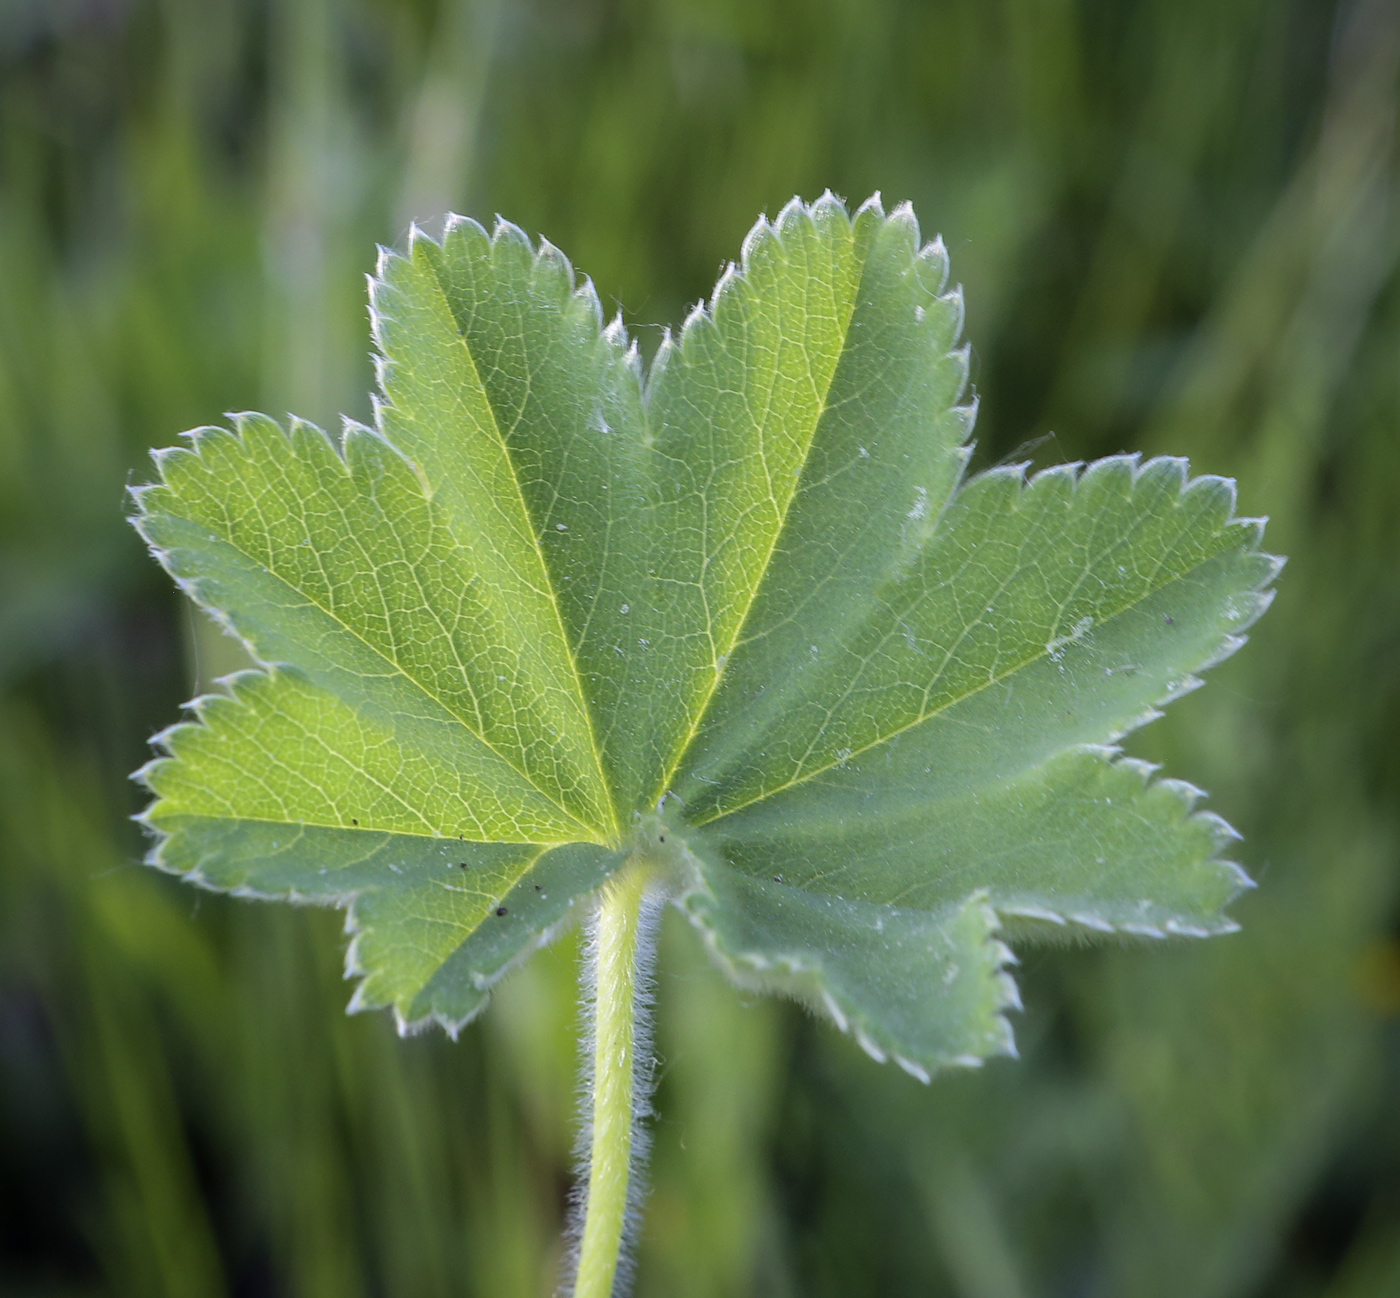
[(741, 615)]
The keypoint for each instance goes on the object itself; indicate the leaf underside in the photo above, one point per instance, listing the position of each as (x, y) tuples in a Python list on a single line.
[(552, 611)]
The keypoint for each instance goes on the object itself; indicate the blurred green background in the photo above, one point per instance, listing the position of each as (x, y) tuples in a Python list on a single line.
[(1178, 224)]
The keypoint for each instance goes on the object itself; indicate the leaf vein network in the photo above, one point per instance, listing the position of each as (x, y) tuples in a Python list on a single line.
[(992, 679)]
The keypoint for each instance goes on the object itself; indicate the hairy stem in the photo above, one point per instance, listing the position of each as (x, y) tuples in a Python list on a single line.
[(620, 959)]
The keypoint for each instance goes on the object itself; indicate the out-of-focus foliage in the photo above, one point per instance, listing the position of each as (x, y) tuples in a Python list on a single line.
[(1177, 224)]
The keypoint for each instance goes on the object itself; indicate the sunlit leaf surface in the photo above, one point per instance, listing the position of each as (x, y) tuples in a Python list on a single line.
[(742, 614)]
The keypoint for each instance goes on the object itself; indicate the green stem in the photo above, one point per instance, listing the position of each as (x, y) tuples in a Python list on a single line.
[(619, 929)]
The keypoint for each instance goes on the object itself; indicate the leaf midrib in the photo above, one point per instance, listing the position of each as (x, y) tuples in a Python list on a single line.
[(581, 697), (719, 673), (418, 684), (1046, 523), (950, 703), (154, 817)]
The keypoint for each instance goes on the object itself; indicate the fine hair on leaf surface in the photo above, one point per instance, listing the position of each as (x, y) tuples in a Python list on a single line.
[(740, 620)]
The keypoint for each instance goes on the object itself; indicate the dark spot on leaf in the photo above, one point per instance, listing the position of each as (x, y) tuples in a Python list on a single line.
[(354, 822), (1171, 621), (500, 910), (537, 888), (663, 838), (463, 865), (777, 878)]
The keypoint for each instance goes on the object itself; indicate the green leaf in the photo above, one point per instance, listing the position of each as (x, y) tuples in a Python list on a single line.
[(742, 615)]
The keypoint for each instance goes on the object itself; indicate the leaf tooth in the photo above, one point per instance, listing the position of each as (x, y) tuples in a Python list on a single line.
[(1240, 878), (1003, 482), (1251, 532), (1141, 930), (869, 1046), (1223, 490), (204, 436), (353, 429), (368, 455), (407, 1027), (935, 253), (165, 740), (383, 256), (1143, 770), (383, 377), (1059, 483), (838, 1015), (378, 290), (1106, 752), (137, 495), (585, 300), (170, 459), (380, 317), (1005, 1039), (155, 857), (913, 1069), (206, 710), (554, 255), (760, 241), (829, 207), (1251, 607), (1188, 684), (359, 1001), (237, 686), (144, 774), (1229, 645), (252, 432), (721, 300), (194, 877), (1092, 921), (956, 306), (615, 331), (1112, 473), (305, 441), (874, 205), (1275, 562), (1254, 526), (507, 237), (966, 1061), (1135, 722), (960, 359), (905, 225), (455, 224), (1002, 954), (1179, 928), (1126, 466), (966, 414), (1035, 912), (791, 217), (552, 277), (1174, 470), (1189, 795), (1008, 994), (663, 359), (240, 420), (699, 320)]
